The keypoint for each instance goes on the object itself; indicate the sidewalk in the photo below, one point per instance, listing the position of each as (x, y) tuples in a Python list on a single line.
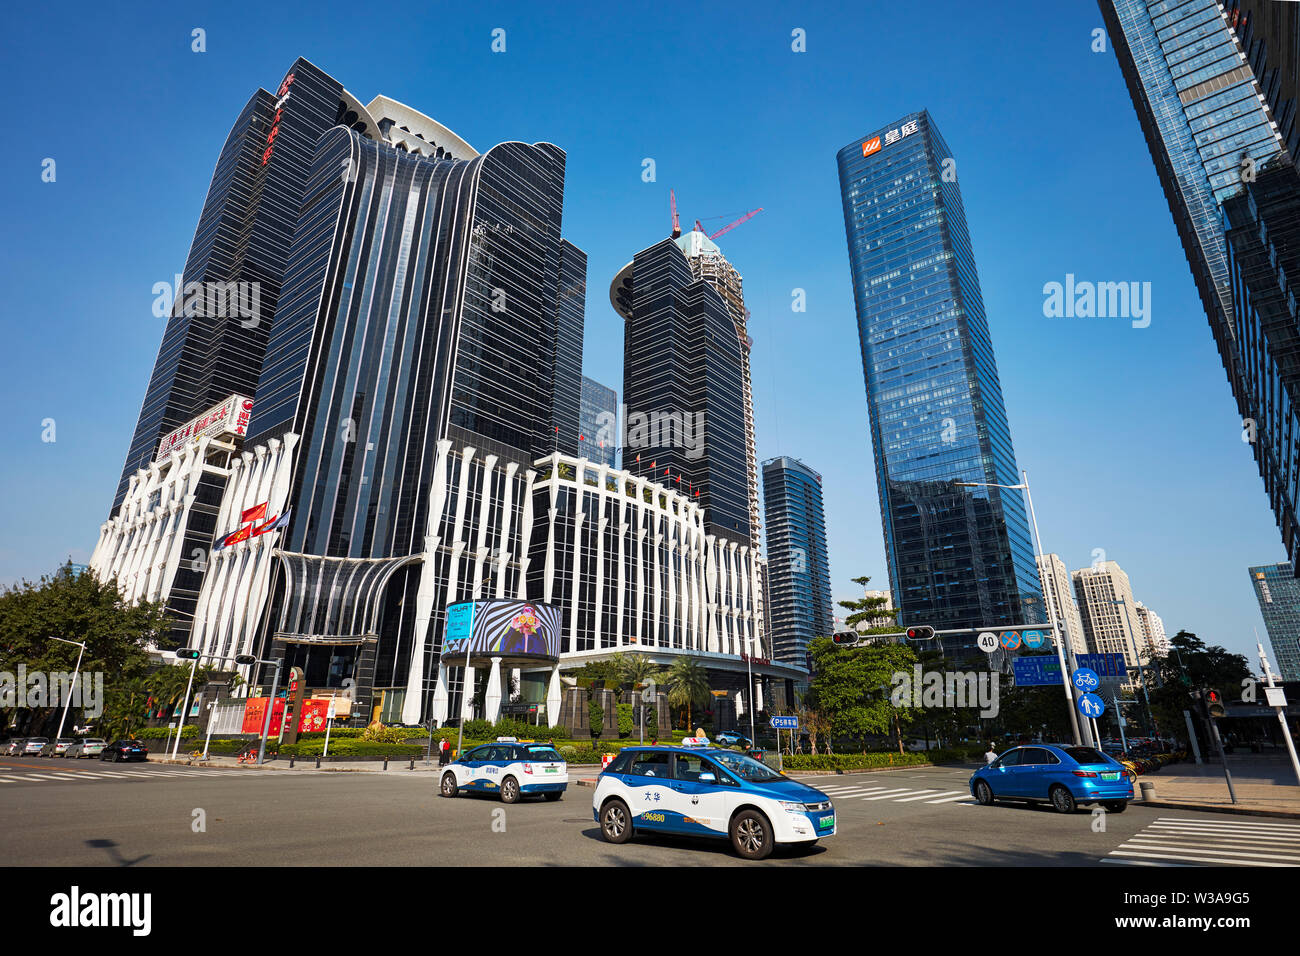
[(398, 765), (1265, 786)]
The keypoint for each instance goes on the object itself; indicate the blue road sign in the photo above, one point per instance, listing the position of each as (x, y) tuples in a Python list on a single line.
[(1106, 665), (1011, 640), (1034, 639), (1037, 671), (1085, 679), (1090, 705), (784, 723)]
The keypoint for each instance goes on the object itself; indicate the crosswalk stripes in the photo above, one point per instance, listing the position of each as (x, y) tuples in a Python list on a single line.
[(896, 794), (101, 776), (1183, 841)]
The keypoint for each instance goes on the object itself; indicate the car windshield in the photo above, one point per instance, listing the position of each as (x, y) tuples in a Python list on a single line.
[(1086, 755), (543, 753), (747, 768)]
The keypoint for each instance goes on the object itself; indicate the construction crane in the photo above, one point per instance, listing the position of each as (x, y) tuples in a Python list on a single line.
[(699, 227), (677, 223), (725, 229)]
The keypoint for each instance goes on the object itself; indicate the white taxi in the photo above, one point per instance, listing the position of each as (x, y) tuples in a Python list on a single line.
[(512, 769), (700, 790)]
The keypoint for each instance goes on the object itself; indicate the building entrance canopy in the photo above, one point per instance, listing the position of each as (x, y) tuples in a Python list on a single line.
[(333, 600)]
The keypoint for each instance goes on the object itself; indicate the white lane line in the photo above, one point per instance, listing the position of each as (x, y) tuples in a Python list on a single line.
[(958, 796), (1142, 862), (1233, 824), (1229, 834), (115, 773), (849, 791), (853, 794), (1136, 844), (893, 794), (1251, 840), (927, 794), (31, 777), (1195, 859), (45, 776)]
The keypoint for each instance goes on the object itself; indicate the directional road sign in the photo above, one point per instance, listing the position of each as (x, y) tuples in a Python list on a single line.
[(784, 723)]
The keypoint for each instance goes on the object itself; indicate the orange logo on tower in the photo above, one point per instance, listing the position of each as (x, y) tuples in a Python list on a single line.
[(871, 146)]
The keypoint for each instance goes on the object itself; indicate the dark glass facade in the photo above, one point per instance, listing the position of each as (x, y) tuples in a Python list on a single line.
[(598, 422), (682, 387), (958, 557), (243, 236), (1278, 593), (798, 570)]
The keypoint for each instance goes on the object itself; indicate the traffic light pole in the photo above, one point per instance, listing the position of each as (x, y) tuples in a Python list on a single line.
[(1281, 713), (1218, 745)]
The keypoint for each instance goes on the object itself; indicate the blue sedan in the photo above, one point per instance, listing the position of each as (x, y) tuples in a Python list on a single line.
[(1061, 775)]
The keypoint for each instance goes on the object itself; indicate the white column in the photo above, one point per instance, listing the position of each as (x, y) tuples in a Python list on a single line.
[(492, 699), (553, 697), (467, 694), (440, 696)]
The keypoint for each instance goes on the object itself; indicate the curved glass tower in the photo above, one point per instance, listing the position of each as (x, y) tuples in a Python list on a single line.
[(958, 557)]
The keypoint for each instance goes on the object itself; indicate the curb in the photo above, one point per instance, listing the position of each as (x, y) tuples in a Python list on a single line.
[(1210, 808)]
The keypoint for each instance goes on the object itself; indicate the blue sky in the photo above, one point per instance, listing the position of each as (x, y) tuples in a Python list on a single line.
[(1130, 436)]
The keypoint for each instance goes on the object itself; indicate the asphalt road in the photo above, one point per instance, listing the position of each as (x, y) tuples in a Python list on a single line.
[(54, 812)]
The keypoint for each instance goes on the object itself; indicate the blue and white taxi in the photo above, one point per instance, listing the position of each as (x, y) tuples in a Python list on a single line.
[(512, 769), (700, 790)]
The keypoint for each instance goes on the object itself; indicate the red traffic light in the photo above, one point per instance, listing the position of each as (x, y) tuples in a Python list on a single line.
[(845, 638), (920, 633)]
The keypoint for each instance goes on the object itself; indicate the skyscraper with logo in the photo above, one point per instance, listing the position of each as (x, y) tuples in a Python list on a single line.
[(1214, 86), (959, 557), (798, 597)]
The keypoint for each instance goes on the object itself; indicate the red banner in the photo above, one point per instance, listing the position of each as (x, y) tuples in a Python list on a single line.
[(314, 711), (253, 514)]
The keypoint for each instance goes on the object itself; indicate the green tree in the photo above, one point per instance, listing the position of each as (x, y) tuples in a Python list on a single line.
[(78, 607), (688, 686), (852, 687), (869, 611), (639, 669), (1191, 664)]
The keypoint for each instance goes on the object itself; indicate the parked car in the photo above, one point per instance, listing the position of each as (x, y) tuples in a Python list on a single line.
[(90, 747), (730, 738), (1064, 776), (124, 750), (510, 769), (57, 748), (32, 746), (14, 746)]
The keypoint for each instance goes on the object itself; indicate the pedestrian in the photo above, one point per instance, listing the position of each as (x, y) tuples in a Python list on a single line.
[(990, 755), (654, 742), (444, 752)]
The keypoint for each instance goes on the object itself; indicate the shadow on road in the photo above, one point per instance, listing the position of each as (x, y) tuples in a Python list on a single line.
[(112, 849)]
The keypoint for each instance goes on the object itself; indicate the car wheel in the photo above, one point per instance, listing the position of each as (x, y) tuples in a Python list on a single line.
[(509, 790), (751, 835), (449, 788), (983, 794), (616, 822), (554, 795), (1115, 806), (1062, 799), (113, 757)]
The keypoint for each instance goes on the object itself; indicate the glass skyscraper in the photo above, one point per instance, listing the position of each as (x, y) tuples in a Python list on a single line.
[(958, 557), (798, 571), (1278, 593), (1219, 141), (598, 422)]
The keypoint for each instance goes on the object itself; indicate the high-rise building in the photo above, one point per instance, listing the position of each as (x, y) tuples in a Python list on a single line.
[(798, 569), (1214, 86), (683, 392), (1153, 631), (1109, 613), (598, 422), (958, 557), (708, 263), (1058, 591), (1278, 593), (220, 316)]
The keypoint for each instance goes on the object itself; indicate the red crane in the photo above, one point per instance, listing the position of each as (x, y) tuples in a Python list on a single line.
[(699, 227), (677, 223), (745, 218)]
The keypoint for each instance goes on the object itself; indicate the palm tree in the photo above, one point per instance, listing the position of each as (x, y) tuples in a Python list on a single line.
[(688, 685), (639, 669)]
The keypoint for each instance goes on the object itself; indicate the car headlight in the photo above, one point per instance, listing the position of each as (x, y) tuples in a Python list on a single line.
[(792, 807)]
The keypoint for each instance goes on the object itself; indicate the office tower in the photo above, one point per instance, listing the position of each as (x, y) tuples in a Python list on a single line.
[(217, 326), (1109, 613), (1058, 591), (708, 263), (799, 588), (1223, 138), (958, 557), (565, 360), (1153, 631), (682, 389), (1278, 593), (598, 422)]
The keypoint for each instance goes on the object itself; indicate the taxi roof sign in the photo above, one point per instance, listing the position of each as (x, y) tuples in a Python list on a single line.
[(507, 740), (695, 742)]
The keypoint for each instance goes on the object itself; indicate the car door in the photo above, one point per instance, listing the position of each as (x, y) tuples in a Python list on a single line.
[(649, 790), (1028, 778), (469, 775), (697, 805), (1001, 774)]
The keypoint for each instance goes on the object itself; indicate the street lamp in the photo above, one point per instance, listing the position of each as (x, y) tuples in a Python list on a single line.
[(72, 688), (1057, 632)]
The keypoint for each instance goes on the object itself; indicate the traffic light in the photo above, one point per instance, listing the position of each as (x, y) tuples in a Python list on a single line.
[(186, 654), (845, 638), (1214, 703), (920, 633), (245, 659)]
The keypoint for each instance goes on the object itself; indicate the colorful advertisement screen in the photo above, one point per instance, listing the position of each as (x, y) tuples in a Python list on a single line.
[(501, 628)]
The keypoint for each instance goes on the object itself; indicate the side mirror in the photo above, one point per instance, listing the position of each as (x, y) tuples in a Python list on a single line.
[(707, 777)]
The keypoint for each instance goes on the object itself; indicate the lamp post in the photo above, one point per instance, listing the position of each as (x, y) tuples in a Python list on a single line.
[(72, 688), (1057, 633)]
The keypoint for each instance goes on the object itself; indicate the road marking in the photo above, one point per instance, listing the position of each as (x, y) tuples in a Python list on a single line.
[(959, 795), (1215, 842), (31, 776), (1219, 849), (927, 794), (1196, 859), (890, 794), (1142, 863)]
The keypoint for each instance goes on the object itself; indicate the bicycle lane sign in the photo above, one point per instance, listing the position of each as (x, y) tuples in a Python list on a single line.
[(1085, 679)]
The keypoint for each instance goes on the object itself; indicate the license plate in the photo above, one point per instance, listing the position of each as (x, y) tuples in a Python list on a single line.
[(826, 821), (552, 769), (1110, 776)]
